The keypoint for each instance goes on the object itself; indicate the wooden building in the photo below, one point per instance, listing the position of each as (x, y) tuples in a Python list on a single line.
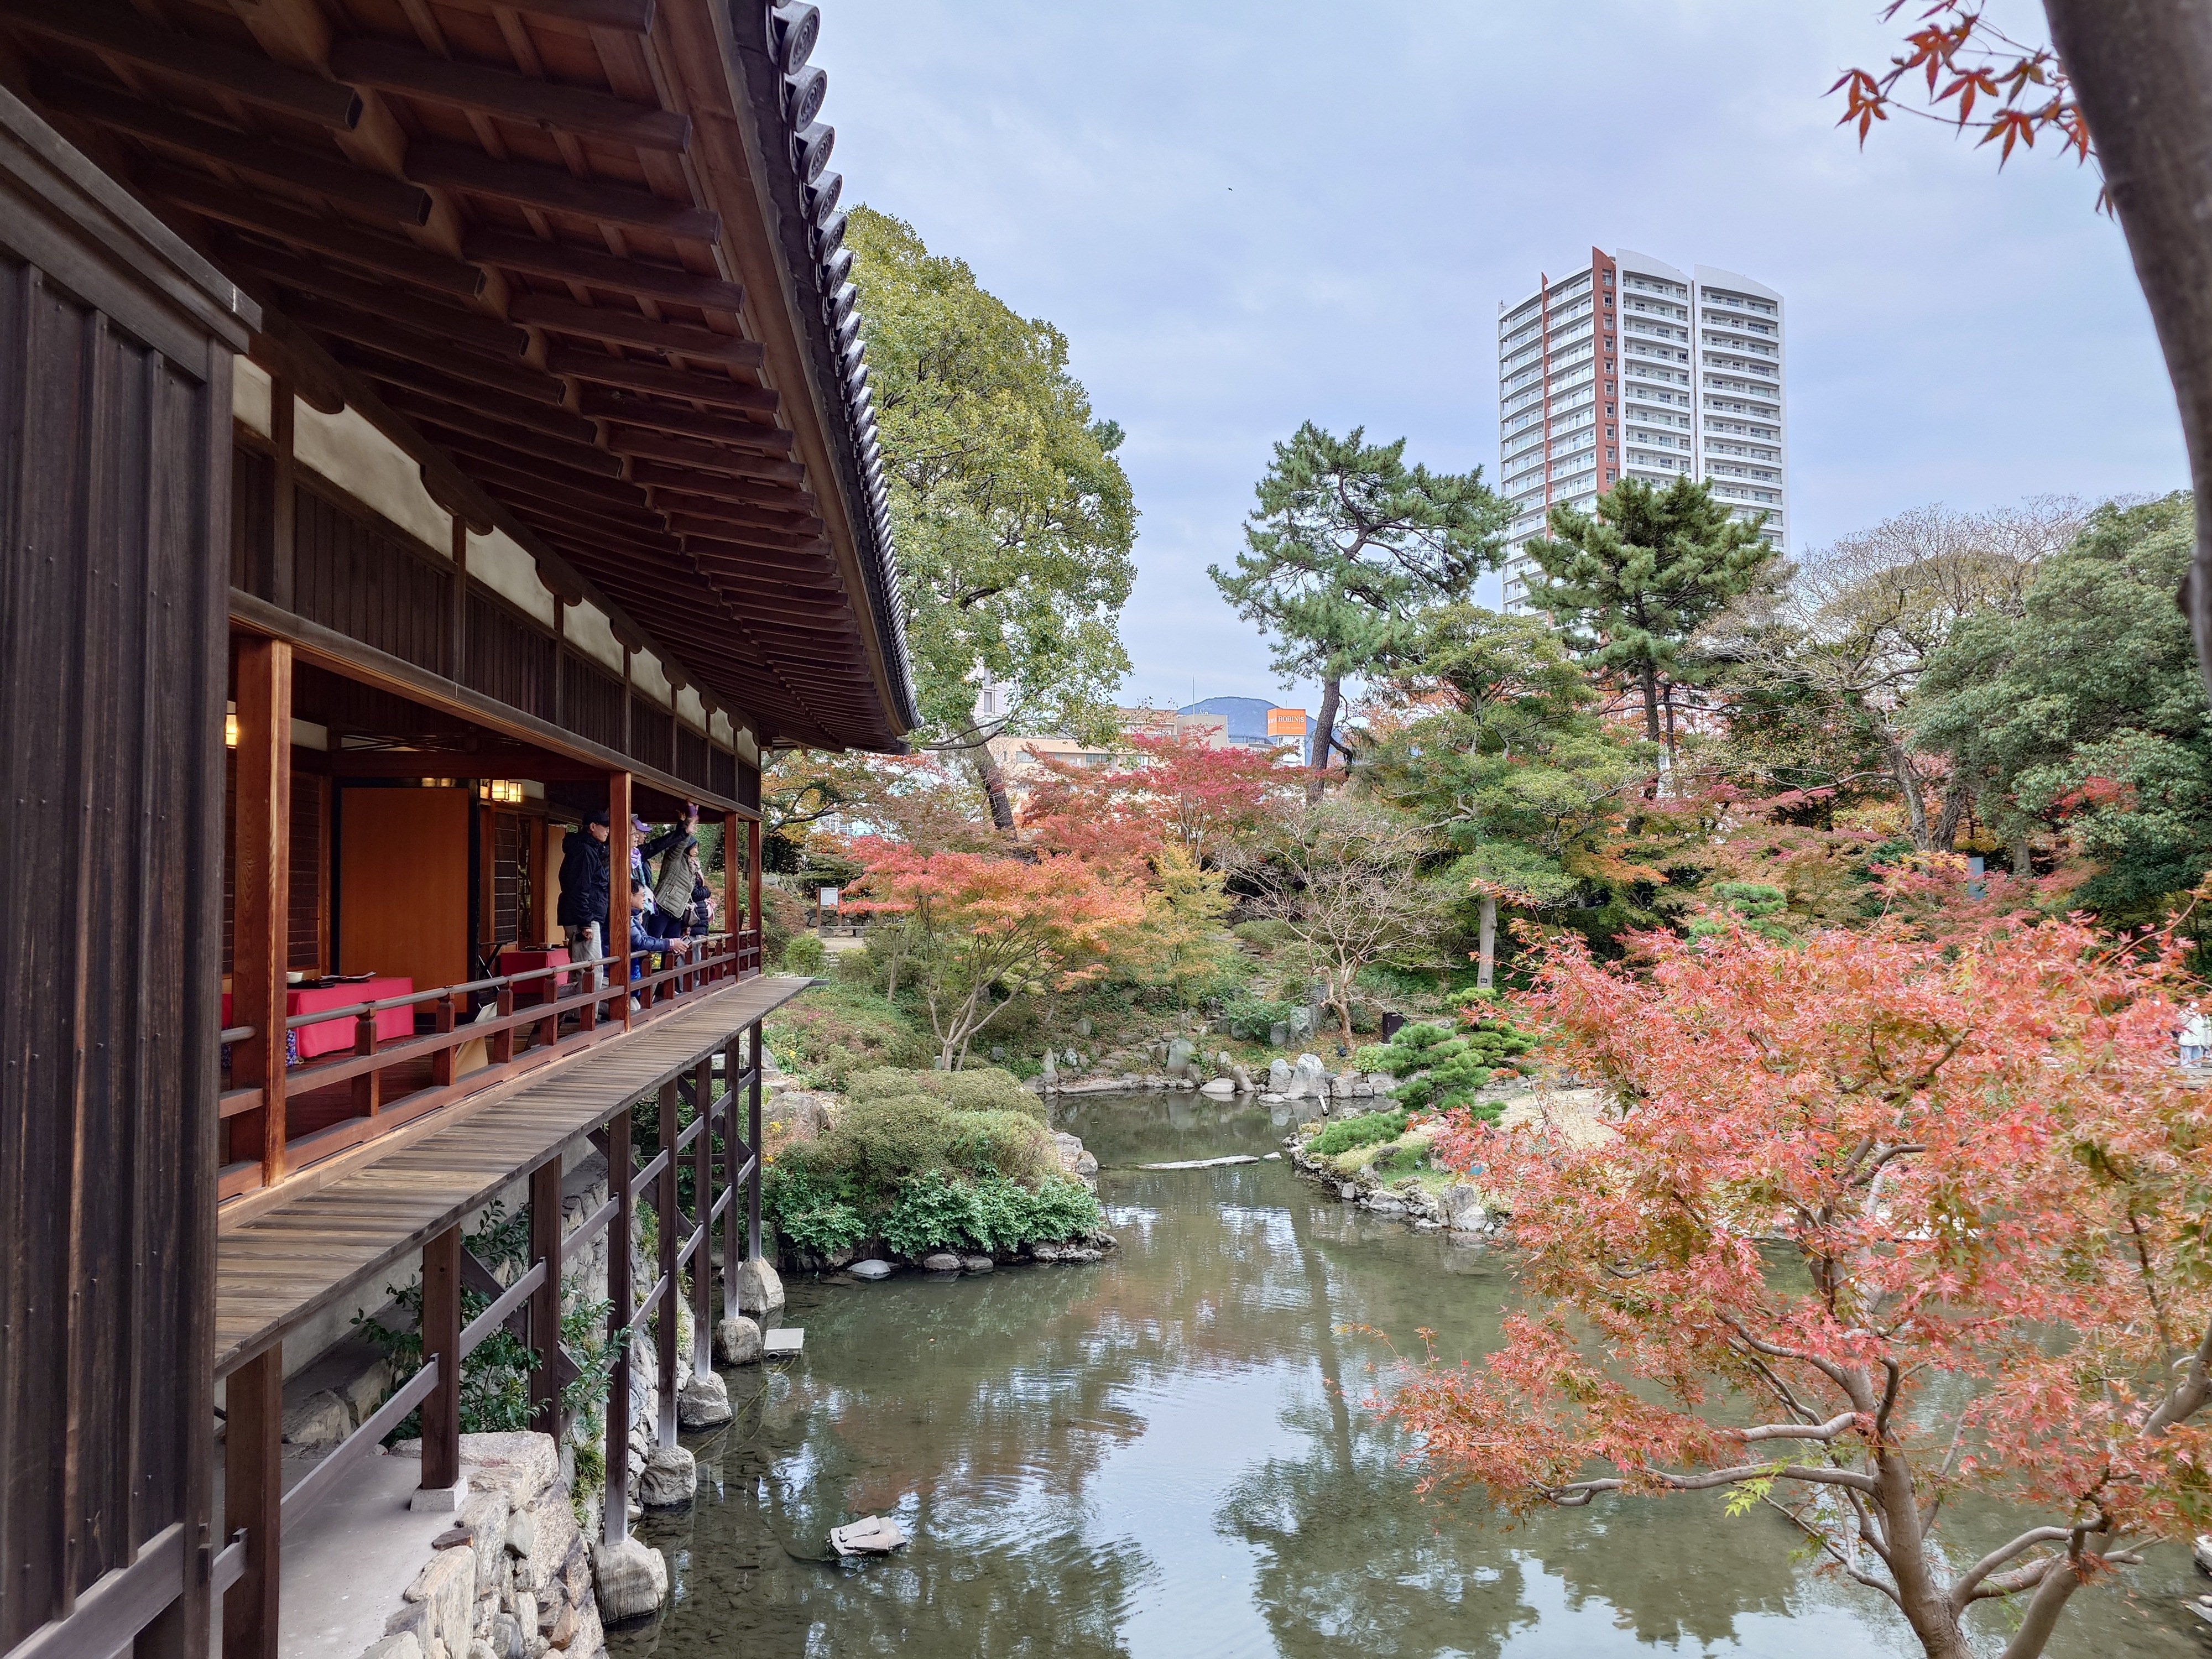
[(428, 423)]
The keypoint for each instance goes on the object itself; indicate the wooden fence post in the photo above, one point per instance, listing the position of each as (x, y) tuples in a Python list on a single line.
[(623, 1299), (732, 1075), (442, 1341), (753, 1140), (671, 1227), (703, 1218), (545, 1300), (254, 1499), (618, 834), (753, 916), (261, 927)]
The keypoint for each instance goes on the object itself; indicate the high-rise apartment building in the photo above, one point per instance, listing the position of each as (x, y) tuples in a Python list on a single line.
[(1694, 386)]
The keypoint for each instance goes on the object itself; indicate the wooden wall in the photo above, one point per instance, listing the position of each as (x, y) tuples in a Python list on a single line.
[(403, 883), (114, 501)]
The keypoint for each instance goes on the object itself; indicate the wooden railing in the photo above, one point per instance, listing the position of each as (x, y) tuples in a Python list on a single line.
[(721, 1144), (423, 1068)]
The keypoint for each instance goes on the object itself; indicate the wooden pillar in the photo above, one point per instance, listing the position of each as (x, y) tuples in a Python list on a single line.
[(618, 833), (732, 1255), (753, 919), (703, 1212), (733, 911), (621, 1300), (284, 503), (264, 874), (545, 1300), (254, 1499), (629, 747), (753, 1140), (672, 1229), (442, 1341)]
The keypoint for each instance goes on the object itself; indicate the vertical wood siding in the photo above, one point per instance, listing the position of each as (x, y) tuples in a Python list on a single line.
[(114, 499), (652, 735), (591, 702), (509, 658), (368, 584)]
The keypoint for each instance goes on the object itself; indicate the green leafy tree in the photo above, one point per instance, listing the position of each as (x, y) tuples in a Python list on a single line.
[(1348, 546), (1631, 583), (1488, 735), (1013, 516), (2085, 711)]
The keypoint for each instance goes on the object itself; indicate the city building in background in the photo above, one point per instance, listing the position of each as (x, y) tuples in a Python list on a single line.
[(1632, 368), (1254, 723)]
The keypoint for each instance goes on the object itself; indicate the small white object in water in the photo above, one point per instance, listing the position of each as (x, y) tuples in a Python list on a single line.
[(1203, 1163), (871, 1535), (1272, 1158)]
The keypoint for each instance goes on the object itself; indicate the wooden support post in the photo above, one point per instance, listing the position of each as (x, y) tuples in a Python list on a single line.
[(732, 908), (753, 892), (733, 1071), (618, 834), (369, 1087), (442, 1341), (672, 1231), (441, 1063), (254, 1499), (702, 1211), (284, 503), (263, 875), (753, 1140), (622, 1298), (502, 1041), (545, 1300)]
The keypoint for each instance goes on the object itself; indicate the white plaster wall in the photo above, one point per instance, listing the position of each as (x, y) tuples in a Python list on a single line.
[(645, 674), (690, 710), (249, 394), (368, 466), (589, 632), (498, 562)]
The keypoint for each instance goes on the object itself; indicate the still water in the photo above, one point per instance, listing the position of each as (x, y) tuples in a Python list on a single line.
[(1165, 1454)]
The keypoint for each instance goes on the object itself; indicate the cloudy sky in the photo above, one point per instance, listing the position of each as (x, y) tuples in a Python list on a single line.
[(1249, 213)]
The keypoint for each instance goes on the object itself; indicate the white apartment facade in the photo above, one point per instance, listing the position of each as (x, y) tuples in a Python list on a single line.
[(1634, 369)]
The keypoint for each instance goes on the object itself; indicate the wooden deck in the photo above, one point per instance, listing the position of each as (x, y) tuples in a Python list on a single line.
[(284, 1266)]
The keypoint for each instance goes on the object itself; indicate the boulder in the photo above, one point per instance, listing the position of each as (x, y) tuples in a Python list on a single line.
[(870, 1269), (631, 1579), (1347, 1191), (1462, 1208), (738, 1340), (799, 1115), (1382, 1204), (940, 1261), (1073, 1158), (2203, 1552), (1220, 1088), (1279, 1034), (703, 1402), (446, 1586), (670, 1477), (1180, 1054), (1381, 1082), (507, 1641), (1308, 1078), (977, 1264), (522, 1533), (401, 1646), (1341, 1085), (1278, 1076), (321, 1420), (760, 1290)]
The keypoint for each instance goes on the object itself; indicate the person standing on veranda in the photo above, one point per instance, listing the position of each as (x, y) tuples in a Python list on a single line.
[(586, 873)]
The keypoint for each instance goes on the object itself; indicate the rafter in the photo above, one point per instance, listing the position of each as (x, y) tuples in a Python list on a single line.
[(508, 96), (404, 260), (602, 270), (628, 328), (472, 328), (457, 167)]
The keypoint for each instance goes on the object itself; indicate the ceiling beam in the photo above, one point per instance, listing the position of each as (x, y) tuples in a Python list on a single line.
[(457, 167), (707, 457), (745, 490), (507, 96), (394, 259), (485, 334), (602, 270), (457, 428), (621, 16), (393, 200), (520, 411), (516, 379), (718, 390), (628, 328), (118, 31)]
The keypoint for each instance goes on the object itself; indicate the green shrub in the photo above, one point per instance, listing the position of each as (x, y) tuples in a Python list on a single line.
[(836, 1031), (1367, 1129), (1265, 936), (1252, 1018), (878, 1144), (857, 967), (986, 1088), (1444, 1071), (989, 1213), (811, 1210), (805, 955)]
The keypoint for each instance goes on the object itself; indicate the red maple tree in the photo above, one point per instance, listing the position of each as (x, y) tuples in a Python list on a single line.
[(1172, 789), (1877, 1221)]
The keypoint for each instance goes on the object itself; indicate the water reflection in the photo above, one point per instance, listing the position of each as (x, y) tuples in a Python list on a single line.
[(1165, 1455)]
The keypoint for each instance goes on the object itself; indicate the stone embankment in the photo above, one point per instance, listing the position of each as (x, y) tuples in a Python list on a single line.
[(511, 1578)]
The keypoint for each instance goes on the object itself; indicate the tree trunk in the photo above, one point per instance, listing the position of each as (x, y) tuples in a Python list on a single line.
[(1956, 795), (1908, 784), (2023, 856), (995, 784), (1650, 678), (2143, 71), (1486, 970), (2046, 1601), (1324, 735)]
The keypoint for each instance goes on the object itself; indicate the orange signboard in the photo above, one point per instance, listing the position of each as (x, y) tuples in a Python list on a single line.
[(1286, 722)]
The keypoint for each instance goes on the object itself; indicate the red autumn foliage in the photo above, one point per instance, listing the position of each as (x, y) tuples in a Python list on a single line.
[(1176, 789), (1879, 1221), (1967, 61)]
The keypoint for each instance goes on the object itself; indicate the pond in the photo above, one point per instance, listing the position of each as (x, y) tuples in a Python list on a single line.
[(1165, 1454)]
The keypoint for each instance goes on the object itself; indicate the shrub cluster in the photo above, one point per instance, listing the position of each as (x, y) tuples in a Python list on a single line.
[(1367, 1129), (1445, 1070), (805, 955), (987, 1089)]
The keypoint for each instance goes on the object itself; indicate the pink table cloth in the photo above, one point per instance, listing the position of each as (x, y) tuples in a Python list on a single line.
[(334, 1037)]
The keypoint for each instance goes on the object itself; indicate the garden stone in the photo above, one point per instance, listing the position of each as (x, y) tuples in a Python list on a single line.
[(977, 1264), (1279, 1077), (1462, 1208), (1382, 1082), (1220, 1089), (760, 1289), (507, 1637), (1084, 1028), (1362, 1092), (703, 1402), (1279, 1034), (401, 1646), (1309, 1079), (1387, 1205), (1179, 1053), (738, 1342), (2203, 1552), (670, 1477), (321, 1420), (631, 1578), (940, 1261), (870, 1269), (1347, 1191), (1071, 1058)]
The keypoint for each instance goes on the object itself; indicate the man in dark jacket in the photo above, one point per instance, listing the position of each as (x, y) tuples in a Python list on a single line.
[(586, 857)]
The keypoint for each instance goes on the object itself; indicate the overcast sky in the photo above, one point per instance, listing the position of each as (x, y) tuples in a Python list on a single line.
[(1245, 216)]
